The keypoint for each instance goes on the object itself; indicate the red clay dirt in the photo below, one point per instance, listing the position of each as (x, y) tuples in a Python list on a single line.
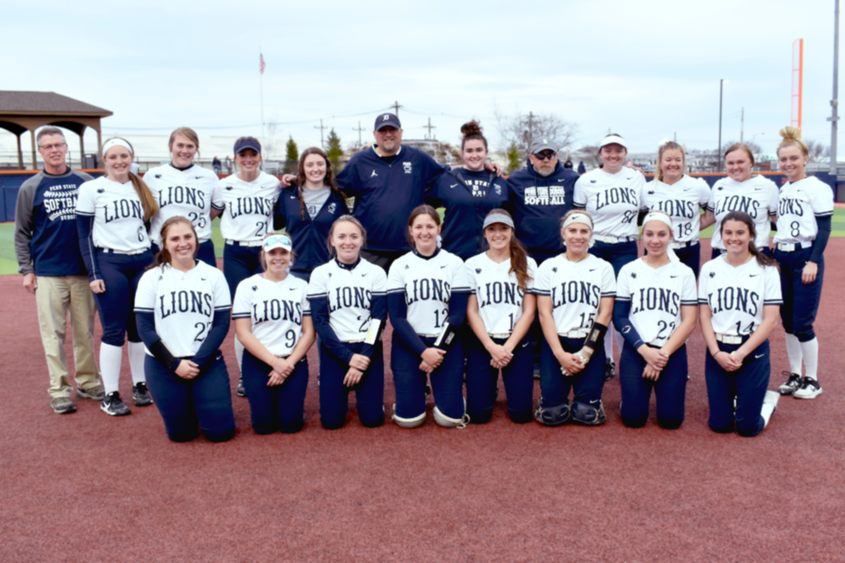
[(86, 487)]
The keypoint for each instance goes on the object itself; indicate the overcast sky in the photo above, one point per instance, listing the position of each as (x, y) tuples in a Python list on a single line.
[(647, 69)]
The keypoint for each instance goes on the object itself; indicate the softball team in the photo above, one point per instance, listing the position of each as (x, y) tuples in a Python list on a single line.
[(427, 294), (741, 191), (682, 198), (183, 189), (308, 209), (805, 208), (575, 292), (111, 212), (349, 306), (272, 320), (500, 312), (612, 196), (182, 308), (739, 296), (655, 311)]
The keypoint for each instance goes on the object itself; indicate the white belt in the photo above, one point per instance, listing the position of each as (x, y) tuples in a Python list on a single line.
[(352, 341), (576, 333), (124, 252), (245, 242), (504, 335), (679, 245), (428, 335), (613, 240), (793, 246), (728, 338)]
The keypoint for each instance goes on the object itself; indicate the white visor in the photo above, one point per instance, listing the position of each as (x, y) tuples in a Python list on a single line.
[(578, 218)]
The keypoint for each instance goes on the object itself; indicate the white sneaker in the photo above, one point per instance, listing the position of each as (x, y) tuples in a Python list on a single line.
[(810, 389)]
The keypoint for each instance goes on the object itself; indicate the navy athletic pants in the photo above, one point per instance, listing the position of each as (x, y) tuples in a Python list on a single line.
[(239, 263), (446, 380), (587, 384), (275, 407), (616, 254), (798, 320), (334, 395), (120, 273), (482, 382), (748, 385), (184, 404), (670, 389)]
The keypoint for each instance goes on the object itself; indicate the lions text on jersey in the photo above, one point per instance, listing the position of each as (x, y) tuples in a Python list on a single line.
[(799, 205), (757, 196), (247, 206), (497, 292), (613, 200), (118, 214), (576, 289), (682, 201), (187, 193), (276, 310)]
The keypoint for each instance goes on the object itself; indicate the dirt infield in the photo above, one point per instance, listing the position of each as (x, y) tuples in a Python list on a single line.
[(86, 487)]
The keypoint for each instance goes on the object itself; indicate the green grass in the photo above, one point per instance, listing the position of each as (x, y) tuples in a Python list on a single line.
[(9, 264)]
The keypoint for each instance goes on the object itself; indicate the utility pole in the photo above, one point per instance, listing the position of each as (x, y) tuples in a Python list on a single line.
[(719, 150), (359, 129), (741, 124), (429, 127), (396, 107), (321, 127), (676, 137), (834, 103)]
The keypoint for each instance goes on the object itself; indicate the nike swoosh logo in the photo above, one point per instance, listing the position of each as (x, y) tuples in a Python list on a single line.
[(363, 275), (753, 275), (443, 266), (453, 185), (292, 197), (758, 357), (673, 277), (562, 180), (526, 344), (198, 177), (593, 270)]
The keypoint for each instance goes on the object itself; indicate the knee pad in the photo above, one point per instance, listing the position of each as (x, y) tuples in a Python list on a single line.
[(588, 414), (552, 416), (408, 422), (448, 422)]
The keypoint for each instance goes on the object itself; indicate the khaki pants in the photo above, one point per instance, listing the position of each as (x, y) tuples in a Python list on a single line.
[(55, 296)]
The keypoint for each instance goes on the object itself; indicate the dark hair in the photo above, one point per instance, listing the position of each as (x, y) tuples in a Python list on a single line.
[(421, 210), (519, 256), (300, 176), (472, 130), (49, 131), (346, 219), (740, 147), (669, 145), (163, 255), (744, 217)]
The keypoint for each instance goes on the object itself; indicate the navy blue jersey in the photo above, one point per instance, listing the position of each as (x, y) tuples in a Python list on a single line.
[(308, 235), (386, 190), (45, 230), (539, 203), (468, 197)]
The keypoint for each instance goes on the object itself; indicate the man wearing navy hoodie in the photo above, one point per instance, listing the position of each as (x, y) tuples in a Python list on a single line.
[(541, 194)]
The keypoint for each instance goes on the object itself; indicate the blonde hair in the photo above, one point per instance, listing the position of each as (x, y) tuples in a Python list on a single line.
[(792, 138), (669, 145), (148, 202), (186, 132)]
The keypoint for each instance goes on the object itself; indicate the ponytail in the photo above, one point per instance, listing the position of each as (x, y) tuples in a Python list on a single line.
[(148, 201)]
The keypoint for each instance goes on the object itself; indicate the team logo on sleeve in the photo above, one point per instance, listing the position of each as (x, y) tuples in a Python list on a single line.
[(478, 270), (101, 191), (407, 166), (332, 207), (633, 274), (158, 175), (712, 274)]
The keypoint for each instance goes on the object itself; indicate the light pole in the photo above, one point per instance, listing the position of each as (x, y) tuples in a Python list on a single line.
[(719, 150), (834, 103)]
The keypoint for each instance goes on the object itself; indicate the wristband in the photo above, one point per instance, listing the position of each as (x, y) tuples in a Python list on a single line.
[(446, 338)]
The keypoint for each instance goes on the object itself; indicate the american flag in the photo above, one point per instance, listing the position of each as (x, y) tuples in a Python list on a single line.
[(262, 64)]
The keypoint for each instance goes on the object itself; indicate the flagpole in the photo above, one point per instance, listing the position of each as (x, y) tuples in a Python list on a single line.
[(261, 88)]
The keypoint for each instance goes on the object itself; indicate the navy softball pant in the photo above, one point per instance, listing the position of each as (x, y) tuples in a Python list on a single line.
[(748, 384), (482, 382), (275, 408), (616, 254), (240, 262), (446, 380), (184, 404), (120, 273), (670, 389), (690, 256), (586, 384), (205, 252), (798, 320), (334, 395)]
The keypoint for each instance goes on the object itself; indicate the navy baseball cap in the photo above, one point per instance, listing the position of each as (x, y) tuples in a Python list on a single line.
[(242, 144), (387, 120)]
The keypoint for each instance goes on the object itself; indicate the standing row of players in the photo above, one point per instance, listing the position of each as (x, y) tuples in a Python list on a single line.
[(538, 197)]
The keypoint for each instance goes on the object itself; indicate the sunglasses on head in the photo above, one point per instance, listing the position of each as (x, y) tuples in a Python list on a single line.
[(277, 240)]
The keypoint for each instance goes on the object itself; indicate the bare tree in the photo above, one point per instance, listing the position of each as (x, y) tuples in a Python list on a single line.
[(523, 129), (817, 150)]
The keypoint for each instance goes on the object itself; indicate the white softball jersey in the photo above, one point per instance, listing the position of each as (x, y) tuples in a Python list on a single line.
[(428, 284), (613, 200), (757, 196), (118, 214), (247, 206), (656, 296), (682, 201), (737, 295), (349, 291), (799, 205), (576, 289), (276, 310), (184, 304), (187, 193), (497, 291)]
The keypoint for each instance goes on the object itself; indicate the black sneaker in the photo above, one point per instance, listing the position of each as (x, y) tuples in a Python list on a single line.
[(791, 385), (241, 389), (112, 405), (95, 393), (810, 389), (609, 370), (141, 395)]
